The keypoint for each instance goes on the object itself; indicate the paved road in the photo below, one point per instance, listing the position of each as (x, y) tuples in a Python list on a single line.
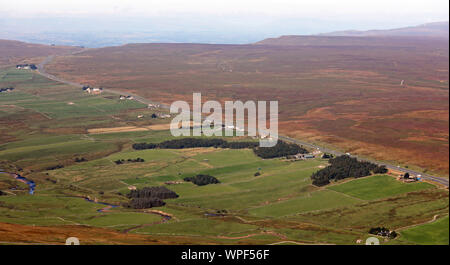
[(442, 181)]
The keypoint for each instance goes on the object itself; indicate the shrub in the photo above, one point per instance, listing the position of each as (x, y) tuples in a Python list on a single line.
[(201, 180), (55, 167), (79, 160)]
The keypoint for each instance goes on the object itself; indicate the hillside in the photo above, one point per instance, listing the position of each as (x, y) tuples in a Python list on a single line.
[(350, 41), (418, 35), (79, 189), (436, 29), (330, 89), (13, 52)]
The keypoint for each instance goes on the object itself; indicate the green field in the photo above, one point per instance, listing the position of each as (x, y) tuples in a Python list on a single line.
[(314, 201), (428, 234), (377, 187)]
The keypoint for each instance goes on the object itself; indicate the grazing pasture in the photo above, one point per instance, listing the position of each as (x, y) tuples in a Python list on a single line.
[(377, 187), (427, 234)]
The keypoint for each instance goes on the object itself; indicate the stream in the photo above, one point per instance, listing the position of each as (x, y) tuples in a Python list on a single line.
[(108, 206), (30, 183)]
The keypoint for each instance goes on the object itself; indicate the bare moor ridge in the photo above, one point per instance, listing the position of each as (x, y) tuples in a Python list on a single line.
[(345, 91), (13, 52)]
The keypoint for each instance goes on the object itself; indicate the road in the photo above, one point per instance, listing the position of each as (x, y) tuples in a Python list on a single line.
[(442, 181)]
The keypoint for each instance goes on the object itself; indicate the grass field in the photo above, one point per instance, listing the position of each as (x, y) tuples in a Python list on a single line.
[(378, 187), (428, 234), (314, 201)]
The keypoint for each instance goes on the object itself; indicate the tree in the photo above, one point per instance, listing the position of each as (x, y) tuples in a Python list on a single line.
[(143, 203), (327, 156), (153, 192), (194, 143), (201, 180), (281, 149), (344, 167), (406, 176)]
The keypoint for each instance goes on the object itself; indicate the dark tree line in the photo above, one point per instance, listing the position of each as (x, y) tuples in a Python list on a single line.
[(201, 180), (193, 143), (123, 161), (345, 167), (149, 197), (153, 192), (144, 203), (2, 193), (241, 145), (281, 149), (143, 146)]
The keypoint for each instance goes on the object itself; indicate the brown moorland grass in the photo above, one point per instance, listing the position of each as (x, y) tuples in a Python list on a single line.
[(116, 129), (341, 91), (13, 52), (25, 234)]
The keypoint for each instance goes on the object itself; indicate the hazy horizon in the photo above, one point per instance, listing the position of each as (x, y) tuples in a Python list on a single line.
[(104, 23)]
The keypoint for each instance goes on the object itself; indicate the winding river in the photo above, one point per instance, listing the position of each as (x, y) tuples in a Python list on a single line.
[(108, 206), (30, 183), (32, 186)]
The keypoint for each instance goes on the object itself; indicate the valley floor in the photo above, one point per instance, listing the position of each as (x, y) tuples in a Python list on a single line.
[(52, 133)]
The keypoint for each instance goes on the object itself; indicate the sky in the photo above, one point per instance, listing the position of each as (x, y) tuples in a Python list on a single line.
[(430, 10), (211, 21)]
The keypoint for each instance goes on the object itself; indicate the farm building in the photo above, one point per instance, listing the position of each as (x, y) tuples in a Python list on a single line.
[(151, 106), (163, 116), (94, 90), (304, 156), (26, 66), (6, 89)]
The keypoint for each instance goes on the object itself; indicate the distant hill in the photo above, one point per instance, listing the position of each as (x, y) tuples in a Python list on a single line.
[(395, 37), (342, 41), (13, 52), (436, 29)]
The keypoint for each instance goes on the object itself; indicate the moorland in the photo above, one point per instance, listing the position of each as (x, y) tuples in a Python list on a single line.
[(384, 98), (67, 142)]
